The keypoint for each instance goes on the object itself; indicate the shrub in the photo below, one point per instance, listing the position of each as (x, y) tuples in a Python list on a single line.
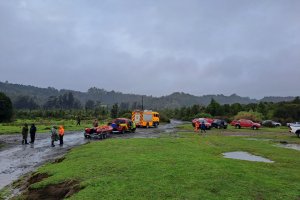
[(251, 115)]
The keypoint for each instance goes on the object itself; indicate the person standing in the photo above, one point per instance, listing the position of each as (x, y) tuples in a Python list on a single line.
[(78, 121), (32, 133), (25, 134), (95, 123), (61, 133), (197, 124), (53, 135), (203, 127)]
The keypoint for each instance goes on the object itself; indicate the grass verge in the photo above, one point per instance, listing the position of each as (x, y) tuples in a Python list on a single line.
[(187, 167), (44, 125)]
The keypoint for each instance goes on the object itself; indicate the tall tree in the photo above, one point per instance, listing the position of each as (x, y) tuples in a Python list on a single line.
[(214, 108), (6, 109), (90, 105), (114, 111), (25, 102)]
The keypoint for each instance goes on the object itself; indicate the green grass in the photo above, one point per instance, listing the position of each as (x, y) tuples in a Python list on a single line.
[(188, 167), (43, 125), (233, 129)]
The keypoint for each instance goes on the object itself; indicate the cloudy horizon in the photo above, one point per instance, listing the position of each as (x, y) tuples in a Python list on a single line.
[(248, 48)]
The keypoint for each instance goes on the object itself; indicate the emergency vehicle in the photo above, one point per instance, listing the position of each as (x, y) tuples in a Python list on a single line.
[(145, 118)]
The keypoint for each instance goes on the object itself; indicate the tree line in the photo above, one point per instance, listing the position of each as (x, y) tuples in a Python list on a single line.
[(67, 106)]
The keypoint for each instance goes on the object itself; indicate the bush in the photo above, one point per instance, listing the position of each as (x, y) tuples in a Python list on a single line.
[(254, 116), (202, 115), (163, 118)]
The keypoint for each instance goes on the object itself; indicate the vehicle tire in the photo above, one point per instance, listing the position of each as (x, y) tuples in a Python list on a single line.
[(123, 131), (155, 125), (254, 127), (237, 126), (133, 130), (298, 134), (218, 127)]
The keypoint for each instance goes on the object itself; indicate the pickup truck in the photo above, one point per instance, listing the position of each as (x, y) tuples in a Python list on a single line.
[(295, 129)]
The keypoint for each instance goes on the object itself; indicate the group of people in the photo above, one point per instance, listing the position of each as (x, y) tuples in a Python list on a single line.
[(32, 132), (201, 126), (54, 135), (59, 136)]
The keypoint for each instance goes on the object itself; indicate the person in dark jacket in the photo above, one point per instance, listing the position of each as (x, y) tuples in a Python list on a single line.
[(32, 133), (53, 135), (203, 127), (25, 134), (78, 121)]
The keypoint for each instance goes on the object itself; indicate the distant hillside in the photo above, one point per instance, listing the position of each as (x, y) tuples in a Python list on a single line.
[(175, 100)]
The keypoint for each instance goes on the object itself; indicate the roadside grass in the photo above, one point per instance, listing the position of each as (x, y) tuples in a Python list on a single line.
[(187, 167), (44, 125), (233, 129), (276, 134)]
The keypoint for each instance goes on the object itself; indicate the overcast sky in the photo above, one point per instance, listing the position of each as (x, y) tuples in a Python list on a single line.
[(153, 47)]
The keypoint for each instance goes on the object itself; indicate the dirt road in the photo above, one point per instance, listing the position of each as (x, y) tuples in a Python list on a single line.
[(17, 160)]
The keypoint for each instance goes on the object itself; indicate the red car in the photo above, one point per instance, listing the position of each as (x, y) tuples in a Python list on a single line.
[(122, 125), (245, 123), (207, 124)]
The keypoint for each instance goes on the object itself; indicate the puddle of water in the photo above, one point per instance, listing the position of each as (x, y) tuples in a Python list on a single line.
[(290, 146), (241, 155)]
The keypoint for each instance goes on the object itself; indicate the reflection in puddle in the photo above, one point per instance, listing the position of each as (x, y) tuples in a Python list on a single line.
[(241, 155), (290, 146)]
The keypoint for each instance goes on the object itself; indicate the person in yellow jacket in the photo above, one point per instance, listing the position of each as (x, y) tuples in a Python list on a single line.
[(61, 133)]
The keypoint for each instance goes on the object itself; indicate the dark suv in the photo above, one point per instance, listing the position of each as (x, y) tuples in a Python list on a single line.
[(219, 123)]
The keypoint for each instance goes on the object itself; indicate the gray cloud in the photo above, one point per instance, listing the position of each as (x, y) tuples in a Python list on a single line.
[(153, 47)]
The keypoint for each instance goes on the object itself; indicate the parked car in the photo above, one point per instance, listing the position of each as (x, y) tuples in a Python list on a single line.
[(293, 124), (270, 123), (245, 123), (219, 123), (200, 120), (122, 125), (295, 129)]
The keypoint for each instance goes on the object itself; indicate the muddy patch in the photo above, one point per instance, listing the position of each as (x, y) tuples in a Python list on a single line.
[(37, 178), (241, 155), (54, 192), (290, 146)]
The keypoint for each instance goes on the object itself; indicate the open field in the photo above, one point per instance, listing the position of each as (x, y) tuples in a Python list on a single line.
[(182, 165), (44, 125)]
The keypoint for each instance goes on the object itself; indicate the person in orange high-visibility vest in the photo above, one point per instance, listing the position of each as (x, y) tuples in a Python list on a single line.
[(197, 126), (61, 133)]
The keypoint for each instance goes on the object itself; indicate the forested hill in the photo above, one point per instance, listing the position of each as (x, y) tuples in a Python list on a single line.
[(175, 100)]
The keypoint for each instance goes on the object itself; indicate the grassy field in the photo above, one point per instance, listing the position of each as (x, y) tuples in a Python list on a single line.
[(190, 166), (44, 125)]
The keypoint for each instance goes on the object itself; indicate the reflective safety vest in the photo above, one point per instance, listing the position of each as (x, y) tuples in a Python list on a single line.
[(61, 130)]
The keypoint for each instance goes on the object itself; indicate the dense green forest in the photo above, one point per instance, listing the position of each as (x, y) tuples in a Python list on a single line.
[(101, 104)]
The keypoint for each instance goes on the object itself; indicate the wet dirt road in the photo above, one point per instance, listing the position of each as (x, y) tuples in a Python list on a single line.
[(17, 160)]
